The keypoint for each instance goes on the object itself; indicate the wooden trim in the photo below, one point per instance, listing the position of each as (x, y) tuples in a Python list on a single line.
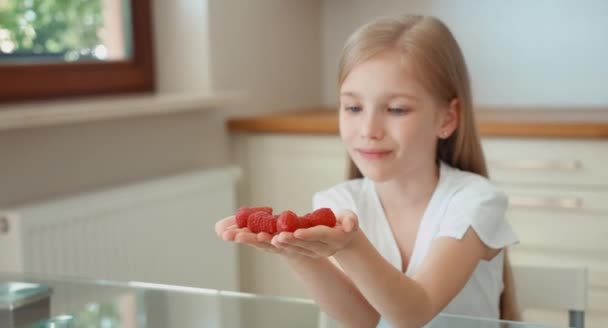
[(576, 123), (42, 81), (315, 121), (543, 130)]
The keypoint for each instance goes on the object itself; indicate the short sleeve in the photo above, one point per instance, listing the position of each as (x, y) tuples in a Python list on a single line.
[(483, 207)]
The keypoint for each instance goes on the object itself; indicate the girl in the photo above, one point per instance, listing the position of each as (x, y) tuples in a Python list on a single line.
[(420, 228)]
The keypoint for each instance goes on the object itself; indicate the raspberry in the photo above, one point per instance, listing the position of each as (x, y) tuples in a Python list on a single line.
[(304, 221), (287, 221), (262, 222), (261, 219), (244, 212), (323, 216)]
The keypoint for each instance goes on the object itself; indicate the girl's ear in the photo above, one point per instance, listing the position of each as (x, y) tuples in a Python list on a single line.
[(449, 120)]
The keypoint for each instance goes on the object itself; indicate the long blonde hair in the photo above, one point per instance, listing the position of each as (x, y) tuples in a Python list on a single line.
[(440, 67)]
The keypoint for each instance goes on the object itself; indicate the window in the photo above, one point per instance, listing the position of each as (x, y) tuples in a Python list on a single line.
[(52, 48)]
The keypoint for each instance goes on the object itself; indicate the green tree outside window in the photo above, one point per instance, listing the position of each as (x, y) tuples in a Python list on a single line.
[(67, 29)]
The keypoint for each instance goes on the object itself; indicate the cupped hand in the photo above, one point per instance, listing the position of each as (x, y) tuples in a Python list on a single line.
[(228, 230), (319, 241)]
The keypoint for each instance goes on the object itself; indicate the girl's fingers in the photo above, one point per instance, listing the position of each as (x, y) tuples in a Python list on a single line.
[(319, 233), (348, 224), (288, 238), (317, 247), (291, 249), (264, 240), (264, 237), (285, 242), (267, 247), (246, 237), (308, 234), (223, 224), (348, 220), (229, 235)]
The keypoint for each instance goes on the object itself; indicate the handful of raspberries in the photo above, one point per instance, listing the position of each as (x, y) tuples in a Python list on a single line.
[(261, 219)]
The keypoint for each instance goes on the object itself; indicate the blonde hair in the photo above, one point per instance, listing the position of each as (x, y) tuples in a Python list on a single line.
[(440, 67)]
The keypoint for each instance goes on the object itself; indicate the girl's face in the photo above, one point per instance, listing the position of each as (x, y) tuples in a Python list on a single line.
[(388, 122)]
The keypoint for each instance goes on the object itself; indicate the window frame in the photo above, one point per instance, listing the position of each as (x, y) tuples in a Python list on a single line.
[(42, 81)]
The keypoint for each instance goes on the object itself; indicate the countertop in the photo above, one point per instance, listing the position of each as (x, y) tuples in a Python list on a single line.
[(495, 122)]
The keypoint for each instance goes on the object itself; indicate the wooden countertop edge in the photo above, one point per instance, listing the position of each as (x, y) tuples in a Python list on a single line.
[(287, 125), (544, 130), (319, 122)]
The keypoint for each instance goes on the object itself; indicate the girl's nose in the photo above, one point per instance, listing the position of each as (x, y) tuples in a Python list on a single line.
[(372, 126)]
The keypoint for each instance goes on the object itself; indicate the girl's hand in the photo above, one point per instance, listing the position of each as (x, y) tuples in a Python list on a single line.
[(319, 241), (229, 231)]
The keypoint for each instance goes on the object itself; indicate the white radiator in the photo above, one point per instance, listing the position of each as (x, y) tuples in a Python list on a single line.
[(156, 231)]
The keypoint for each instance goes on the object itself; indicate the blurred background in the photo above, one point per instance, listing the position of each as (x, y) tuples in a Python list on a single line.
[(127, 128)]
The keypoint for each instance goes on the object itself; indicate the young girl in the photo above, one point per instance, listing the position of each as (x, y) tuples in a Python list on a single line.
[(420, 228)]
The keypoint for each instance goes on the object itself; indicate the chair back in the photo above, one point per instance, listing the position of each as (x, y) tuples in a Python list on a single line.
[(553, 288)]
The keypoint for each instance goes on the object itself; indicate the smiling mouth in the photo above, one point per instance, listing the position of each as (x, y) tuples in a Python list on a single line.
[(373, 154)]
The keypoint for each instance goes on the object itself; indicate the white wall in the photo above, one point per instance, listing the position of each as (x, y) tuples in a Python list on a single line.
[(268, 48), (182, 45), (546, 52)]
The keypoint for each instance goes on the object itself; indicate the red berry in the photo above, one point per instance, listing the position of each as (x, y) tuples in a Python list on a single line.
[(271, 226), (244, 212), (323, 216), (262, 222), (287, 221), (304, 221)]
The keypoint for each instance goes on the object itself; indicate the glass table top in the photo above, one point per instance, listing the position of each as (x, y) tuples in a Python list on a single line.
[(75, 302)]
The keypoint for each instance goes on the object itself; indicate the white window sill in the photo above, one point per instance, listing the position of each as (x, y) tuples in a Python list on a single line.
[(59, 112)]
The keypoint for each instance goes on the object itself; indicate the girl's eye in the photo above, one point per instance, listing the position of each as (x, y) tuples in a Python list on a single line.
[(354, 109), (397, 110)]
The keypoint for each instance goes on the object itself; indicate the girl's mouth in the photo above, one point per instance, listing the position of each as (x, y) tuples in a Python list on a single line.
[(373, 154)]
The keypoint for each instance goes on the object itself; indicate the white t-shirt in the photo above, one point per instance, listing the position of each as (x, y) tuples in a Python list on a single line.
[(460, 200)]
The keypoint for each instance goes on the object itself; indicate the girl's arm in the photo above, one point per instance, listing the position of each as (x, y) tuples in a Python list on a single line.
[(334, 292), (326, 283), (403, 301), (411, 302)]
